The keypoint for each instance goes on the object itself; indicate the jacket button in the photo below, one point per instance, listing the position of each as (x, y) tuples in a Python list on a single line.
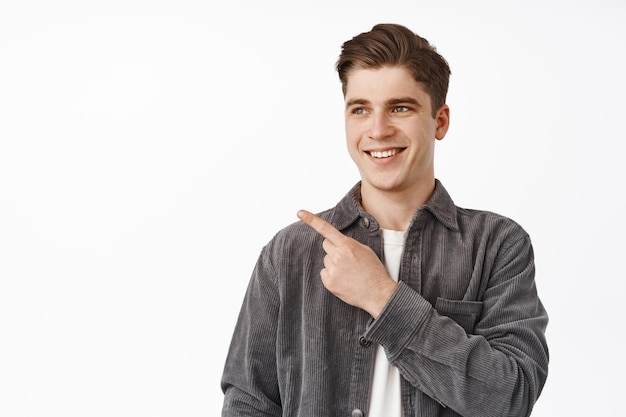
[(366, 222), (357, 413), (365, 343)]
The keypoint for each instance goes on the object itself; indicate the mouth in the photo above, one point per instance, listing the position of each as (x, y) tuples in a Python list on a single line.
[(388, 153)]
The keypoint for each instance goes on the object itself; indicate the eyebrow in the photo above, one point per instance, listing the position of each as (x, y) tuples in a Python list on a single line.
[(356, 101), (404, 100), (390, 102)]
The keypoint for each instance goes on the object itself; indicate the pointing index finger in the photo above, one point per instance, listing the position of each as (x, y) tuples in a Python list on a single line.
[(321, 226)]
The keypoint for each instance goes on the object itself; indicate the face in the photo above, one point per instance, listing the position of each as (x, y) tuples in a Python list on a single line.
[(390, 129)]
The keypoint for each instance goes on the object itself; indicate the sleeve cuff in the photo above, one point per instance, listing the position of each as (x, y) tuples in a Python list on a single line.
[(405, 312)]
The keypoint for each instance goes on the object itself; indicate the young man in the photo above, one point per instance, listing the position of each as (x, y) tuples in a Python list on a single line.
[(395, 302)]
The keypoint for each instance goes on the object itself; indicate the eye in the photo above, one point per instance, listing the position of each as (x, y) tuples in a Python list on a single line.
[(359, 111), (400, 109)]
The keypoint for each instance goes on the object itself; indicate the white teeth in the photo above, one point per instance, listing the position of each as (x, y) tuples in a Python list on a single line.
[(384, 154)]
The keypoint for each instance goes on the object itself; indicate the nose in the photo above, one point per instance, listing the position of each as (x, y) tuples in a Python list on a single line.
[(381, 126)]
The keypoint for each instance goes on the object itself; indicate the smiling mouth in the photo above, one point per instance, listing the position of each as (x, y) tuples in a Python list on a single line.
[(384, 154)]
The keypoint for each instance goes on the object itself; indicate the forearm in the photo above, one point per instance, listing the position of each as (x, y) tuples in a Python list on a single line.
[(498, 372)]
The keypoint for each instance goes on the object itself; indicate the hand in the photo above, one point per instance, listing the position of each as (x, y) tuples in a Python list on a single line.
[(352, 271)]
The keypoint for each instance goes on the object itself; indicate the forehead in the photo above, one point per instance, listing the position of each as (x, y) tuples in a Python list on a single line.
[(383, 83)]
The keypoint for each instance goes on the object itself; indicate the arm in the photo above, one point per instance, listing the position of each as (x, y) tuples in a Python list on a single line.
[(249, 381), (500, 369)]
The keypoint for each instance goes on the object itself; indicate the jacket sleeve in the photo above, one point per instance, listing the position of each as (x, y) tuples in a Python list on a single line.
[(499, 367), (249, 381)]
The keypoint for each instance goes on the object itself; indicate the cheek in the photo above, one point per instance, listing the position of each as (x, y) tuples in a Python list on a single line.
[(353, 147), (352, 144), (352, 135)]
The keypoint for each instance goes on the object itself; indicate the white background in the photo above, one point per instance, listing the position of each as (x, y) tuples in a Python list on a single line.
[(149, 149)]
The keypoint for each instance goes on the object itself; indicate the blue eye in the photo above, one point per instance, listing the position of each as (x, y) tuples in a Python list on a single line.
[(400, 109), (359, 110)]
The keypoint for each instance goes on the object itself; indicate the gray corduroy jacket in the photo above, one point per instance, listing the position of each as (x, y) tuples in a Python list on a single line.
[(465, 326)]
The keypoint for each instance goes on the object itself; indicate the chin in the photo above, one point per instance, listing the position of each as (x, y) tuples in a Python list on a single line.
[(386, 186)]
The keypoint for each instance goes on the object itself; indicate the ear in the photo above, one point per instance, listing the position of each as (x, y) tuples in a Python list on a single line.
[(442, 118)]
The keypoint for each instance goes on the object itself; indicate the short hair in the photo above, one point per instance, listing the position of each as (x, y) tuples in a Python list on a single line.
[(396, 45)]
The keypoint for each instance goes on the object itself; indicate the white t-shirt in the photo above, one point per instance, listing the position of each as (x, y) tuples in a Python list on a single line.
[(385, 398)]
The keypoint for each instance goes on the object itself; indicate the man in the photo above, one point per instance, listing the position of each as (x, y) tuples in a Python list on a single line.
[(395, 302)]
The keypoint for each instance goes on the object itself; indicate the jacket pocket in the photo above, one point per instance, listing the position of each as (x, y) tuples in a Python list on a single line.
[(465, 313)]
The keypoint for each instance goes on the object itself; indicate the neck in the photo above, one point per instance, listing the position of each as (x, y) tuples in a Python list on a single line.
[(393, 210)]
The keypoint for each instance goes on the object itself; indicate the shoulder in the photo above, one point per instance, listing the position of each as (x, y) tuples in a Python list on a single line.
[(488, 225)]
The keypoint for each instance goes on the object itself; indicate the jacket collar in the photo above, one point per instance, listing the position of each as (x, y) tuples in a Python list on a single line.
[(440, 205)]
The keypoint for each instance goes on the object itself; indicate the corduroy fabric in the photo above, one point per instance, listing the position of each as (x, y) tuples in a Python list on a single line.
[(465, 326)]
